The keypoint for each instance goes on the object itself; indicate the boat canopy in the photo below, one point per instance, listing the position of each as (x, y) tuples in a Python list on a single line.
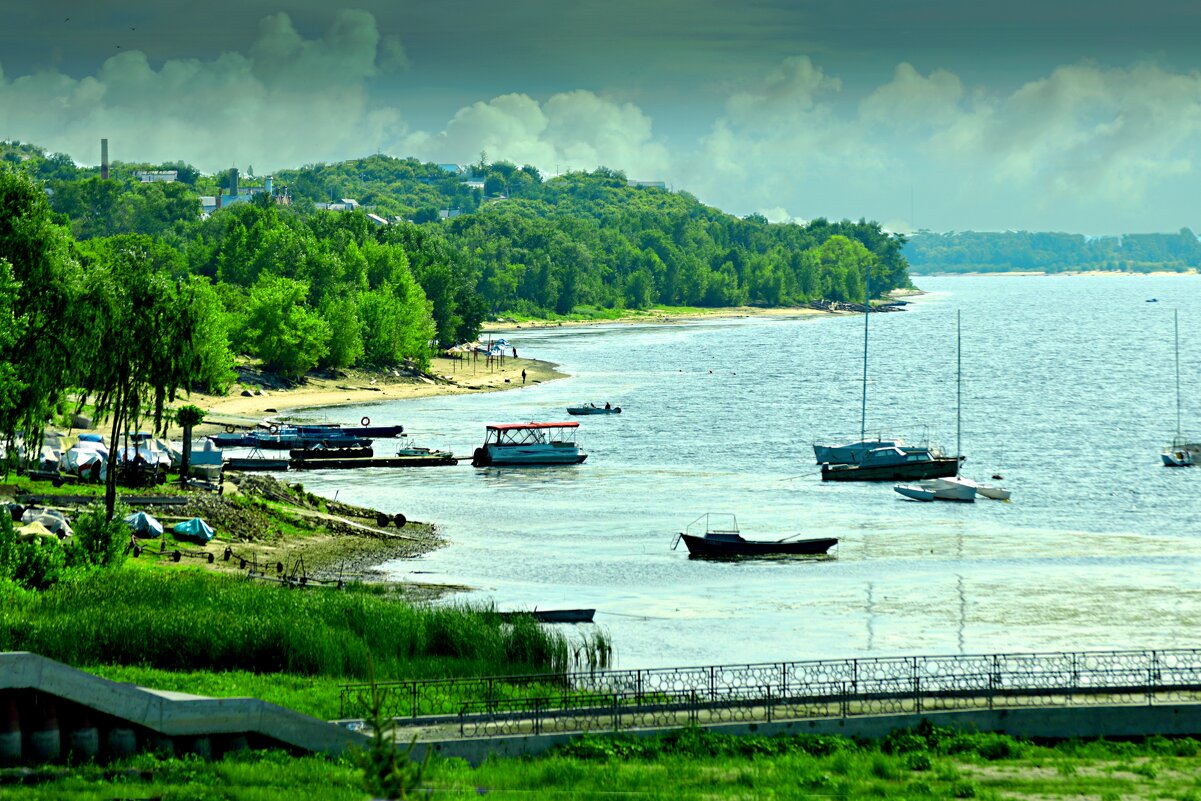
[(519, 426)]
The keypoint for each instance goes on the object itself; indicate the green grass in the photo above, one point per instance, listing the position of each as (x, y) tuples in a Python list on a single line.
[(195, 621), (689, 765)]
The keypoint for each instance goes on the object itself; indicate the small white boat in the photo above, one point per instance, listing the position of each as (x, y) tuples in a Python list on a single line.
[(1177, 457), (953, 488), (520, 444)]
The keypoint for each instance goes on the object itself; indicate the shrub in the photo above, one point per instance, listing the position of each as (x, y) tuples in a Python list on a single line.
[(98, 541)]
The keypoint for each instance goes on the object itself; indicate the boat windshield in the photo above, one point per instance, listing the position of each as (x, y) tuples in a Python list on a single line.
[(713, 523)]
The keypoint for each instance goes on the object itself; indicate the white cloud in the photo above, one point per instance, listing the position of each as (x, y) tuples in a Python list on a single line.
[(571, 130), (288, 101)]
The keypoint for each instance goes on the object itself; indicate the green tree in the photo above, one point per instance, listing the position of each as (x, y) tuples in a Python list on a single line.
[(282, 330), (142, 351), (38, 335)]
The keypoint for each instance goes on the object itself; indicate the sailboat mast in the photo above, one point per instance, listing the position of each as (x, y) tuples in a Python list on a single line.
[(958, 390), (867, 308), (1176, 327)]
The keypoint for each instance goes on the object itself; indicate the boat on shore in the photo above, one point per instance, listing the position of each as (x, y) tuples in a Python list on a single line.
[(522, 444), (717, 535), (592, 408)]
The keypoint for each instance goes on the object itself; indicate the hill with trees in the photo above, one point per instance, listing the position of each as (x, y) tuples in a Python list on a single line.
[(442, 249)]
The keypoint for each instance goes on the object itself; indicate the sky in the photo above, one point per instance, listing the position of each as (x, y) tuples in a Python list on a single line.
[(940, 115)]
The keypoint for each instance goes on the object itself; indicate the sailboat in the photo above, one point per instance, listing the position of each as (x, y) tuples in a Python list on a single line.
[(883, 449), (956, 487), (1180, 453)]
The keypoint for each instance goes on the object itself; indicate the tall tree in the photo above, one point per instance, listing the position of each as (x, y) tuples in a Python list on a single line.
[(143, 350), (36, 337)]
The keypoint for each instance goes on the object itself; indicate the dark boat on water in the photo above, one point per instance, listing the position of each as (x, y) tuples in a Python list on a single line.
[(894, 464), (554, 615), (724, 540)]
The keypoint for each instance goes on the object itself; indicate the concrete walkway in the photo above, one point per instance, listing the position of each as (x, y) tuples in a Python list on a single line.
[(49, 711)]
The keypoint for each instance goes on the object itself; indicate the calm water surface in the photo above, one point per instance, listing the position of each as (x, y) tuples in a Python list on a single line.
[(1068, 393)]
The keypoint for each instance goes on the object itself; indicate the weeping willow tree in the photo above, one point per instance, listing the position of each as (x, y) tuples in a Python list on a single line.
[(143, 334)]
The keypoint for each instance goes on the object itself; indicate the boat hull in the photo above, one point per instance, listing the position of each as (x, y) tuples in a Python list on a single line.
[(527, 456), (940, 489), (704, 546), (1177, 459), (904, 471), (553, 615), (578, 410)]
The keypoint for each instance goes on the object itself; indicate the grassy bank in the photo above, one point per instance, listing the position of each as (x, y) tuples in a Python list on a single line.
[(193, 621), (694, 765)]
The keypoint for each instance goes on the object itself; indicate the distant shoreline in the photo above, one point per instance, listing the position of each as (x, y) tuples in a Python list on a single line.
[(944, 274)]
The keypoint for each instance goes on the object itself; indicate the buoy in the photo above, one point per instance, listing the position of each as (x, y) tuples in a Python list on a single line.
[(366, 421), (400, 520), (382, 519)]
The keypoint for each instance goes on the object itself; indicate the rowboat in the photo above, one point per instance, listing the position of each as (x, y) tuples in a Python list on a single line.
[(721, 538), (521, 444)]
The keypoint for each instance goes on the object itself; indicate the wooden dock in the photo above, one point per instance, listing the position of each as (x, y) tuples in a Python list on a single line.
[(359, 463)]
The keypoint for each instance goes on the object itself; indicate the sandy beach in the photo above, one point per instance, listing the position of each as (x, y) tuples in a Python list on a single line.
[(659, 317), (450, 377)]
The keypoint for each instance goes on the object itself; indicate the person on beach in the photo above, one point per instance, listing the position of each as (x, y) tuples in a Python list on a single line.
[(523, 375), (514, 353)]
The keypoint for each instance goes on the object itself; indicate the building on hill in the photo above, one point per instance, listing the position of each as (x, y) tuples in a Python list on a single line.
[(157, 176), (448, 214), (451, 169), (375, 218), (345, 204), (647, 184)]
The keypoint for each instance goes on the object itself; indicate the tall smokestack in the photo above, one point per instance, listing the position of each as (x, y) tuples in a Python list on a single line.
[(104, 159), (233, 182)]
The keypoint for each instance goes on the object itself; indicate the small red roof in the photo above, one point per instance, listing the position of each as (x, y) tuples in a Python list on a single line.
[(518, 426)]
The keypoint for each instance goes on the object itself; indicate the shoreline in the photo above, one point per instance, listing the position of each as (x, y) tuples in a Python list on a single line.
[(1044, 273), (661, 317)]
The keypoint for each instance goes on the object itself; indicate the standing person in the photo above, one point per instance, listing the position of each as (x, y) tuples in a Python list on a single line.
[(523, 375), (514, 353)]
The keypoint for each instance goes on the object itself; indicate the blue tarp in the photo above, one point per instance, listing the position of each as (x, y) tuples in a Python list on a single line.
[(143, 524), (194, 530)]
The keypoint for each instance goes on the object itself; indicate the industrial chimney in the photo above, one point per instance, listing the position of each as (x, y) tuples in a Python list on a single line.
[(104, 159), (233, 182)]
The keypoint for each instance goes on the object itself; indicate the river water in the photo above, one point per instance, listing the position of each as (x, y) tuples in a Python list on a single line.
[(1068, 392)]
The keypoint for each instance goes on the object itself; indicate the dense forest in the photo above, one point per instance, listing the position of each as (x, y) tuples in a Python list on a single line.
[(1008, 251), (428, 252)]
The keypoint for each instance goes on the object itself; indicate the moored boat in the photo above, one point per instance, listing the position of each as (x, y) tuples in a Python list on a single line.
[(894, 464), (592, 408), (717, 535), (940, 489), (1180, 453), (520, 444)]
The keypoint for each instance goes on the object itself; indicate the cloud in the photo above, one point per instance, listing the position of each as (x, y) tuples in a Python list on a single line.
[(1114, 132), (571, 130), (287, 101)]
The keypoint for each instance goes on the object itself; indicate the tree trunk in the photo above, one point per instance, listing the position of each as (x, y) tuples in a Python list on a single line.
[(186, 461), (114, 458)]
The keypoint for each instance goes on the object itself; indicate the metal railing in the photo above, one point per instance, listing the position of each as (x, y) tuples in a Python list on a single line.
[(621, 699)]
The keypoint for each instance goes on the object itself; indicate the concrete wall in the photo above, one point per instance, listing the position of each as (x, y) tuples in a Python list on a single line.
[(1058, 723)]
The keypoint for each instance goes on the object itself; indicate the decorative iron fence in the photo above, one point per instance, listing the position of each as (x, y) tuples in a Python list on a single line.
[(621, 699)]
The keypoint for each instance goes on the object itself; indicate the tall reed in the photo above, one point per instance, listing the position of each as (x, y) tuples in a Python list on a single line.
[(197, 621)]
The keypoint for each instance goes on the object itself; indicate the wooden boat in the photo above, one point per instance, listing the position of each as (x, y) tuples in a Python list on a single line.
[(592, 408), (724, 540), (253, 463), (520, 444), (554, 615)]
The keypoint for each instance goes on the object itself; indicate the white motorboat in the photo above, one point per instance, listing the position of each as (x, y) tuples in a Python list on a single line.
[(520, 444)]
